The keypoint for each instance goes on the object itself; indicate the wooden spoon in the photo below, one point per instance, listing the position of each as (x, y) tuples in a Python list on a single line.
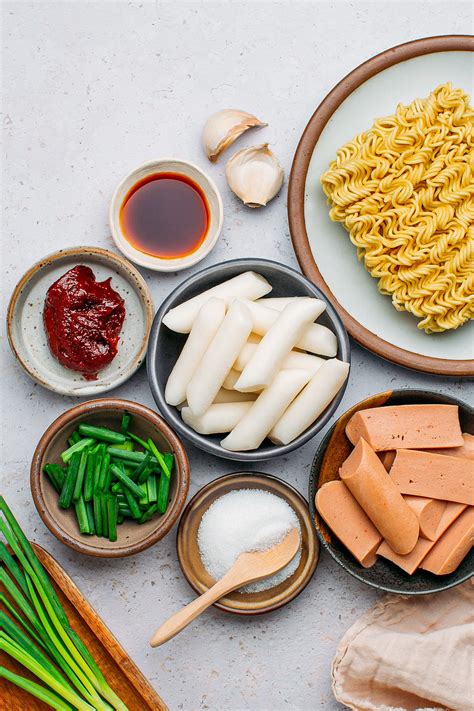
[(247, 568)]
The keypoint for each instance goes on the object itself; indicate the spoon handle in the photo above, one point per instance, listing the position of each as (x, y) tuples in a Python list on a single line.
[(187, 614)]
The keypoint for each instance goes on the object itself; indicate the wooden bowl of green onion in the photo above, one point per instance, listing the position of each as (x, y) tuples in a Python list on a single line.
[(109, 478)]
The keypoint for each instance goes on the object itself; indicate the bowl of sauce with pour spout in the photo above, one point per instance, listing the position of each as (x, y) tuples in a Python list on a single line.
[(166, 215)]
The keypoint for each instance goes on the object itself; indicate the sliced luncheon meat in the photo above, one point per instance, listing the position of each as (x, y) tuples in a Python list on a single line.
[(410, 562), (453, 546), (407, 426), (348, 521), (466, 450), (371, 485), (435, 476), (428, 513)]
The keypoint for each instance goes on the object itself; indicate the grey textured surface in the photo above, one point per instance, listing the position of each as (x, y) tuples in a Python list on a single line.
[(89, 91)]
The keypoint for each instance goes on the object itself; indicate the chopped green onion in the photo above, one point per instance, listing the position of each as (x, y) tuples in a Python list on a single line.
[(75, 437), (104, 468), (78, 447), (80, 475), (163, 493), (101, 433), (90, 516), (124, 425), (131, 503), (159, 457), (101, 450), (152, 488), (146, 516), (143, 500), (138, 440), (105, 518), (97, 514), (143, 471), (132, 457), (112, 515), (127, 446), (89, 478), (81, 515), (56, 475), (125, 480), (70, 482)]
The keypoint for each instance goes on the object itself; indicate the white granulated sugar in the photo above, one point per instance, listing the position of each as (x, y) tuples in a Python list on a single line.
[(241, 521)]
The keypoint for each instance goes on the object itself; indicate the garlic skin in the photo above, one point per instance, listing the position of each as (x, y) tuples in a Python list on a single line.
[(223, 128), (255, 175)]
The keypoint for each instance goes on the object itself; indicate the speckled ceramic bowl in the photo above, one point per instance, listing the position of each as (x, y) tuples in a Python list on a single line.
[(332, 452), (165, 346), (243, 603), (26, 332), (131, 537)]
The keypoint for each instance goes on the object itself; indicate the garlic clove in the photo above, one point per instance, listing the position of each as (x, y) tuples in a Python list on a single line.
[(223, 128), (254, 175)]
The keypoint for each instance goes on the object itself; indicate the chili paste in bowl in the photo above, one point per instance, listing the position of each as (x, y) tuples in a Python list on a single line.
[(79, 320), (83, 319)]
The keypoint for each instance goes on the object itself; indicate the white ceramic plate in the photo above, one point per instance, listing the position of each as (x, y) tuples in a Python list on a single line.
[(344, 276), (28, 339)]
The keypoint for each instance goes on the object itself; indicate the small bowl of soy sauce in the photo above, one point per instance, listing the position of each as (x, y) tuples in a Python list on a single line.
[(166, 215)]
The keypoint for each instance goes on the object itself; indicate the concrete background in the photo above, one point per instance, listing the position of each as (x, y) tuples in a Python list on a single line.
[(89, 91)]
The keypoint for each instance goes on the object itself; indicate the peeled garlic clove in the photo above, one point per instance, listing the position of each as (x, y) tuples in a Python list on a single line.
[(255, 175), (223, 128)]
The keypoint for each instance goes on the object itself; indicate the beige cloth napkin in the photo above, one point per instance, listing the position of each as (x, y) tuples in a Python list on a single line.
[(410, 653)]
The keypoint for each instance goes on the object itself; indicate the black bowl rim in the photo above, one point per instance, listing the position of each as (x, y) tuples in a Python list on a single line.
[(201, 441), (314, 477)]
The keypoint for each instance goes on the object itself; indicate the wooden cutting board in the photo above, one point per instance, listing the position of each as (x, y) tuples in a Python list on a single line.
[(122, 675)]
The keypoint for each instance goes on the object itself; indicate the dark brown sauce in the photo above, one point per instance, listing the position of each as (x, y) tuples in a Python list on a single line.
[(165, 215)]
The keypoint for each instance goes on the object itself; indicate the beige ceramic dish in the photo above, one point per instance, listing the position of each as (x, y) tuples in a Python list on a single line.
[(373, 89), (214, 200), (26, 332), (132, 538), (190, 559)]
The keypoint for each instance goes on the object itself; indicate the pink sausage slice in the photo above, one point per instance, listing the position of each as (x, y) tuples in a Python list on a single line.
[(466, 450), (410, 562), (453, 546), (428, 513), (434, 475), (366, 477), (348, 522), (407, 426)]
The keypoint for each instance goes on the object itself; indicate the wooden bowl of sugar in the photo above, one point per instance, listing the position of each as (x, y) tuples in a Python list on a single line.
[(189, 555)]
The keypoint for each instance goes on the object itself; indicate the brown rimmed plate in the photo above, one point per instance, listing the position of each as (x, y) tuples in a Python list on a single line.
[(27, 336), (323, 249), (122, 675), (333, 450), (131, 537), (190, 559)]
